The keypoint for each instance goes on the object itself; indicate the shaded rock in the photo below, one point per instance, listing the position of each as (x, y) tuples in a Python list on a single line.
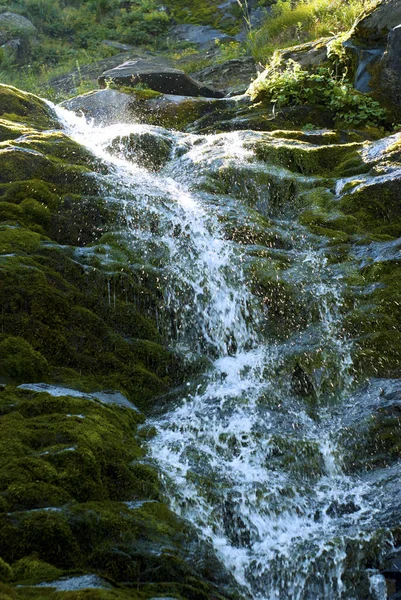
[(158, 77), (387, 82), (365, 58), (308, 55), (392, 572), (202, 35), (372, 29), (146, 148), (234, 75)]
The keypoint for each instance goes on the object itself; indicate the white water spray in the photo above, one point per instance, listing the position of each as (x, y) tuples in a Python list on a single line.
[(244, 459)]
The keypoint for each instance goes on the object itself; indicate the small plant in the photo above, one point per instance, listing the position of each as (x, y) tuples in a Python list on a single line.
[(294, 86)]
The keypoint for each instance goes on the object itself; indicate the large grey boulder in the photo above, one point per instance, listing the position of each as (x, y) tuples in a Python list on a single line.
[(103, 107), (158, 77), (109, 106), (14, 33), (12, 25)]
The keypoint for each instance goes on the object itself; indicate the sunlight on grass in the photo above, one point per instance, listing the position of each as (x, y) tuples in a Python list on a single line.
[(307, 20)]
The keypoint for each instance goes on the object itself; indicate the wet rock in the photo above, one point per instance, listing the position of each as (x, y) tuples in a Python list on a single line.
[(392, 572), (300, 382), (109, 106), (387, 82), (202, 35), (336, 509), (158, 77), (147, 149)]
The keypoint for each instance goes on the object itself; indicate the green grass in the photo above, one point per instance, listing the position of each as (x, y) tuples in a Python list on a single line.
[(308, 20), (70, 34)]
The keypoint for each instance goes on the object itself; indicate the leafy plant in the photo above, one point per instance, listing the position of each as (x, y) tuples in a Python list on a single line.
[(294, 86)]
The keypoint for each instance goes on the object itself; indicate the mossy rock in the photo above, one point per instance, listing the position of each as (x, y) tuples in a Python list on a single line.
[(59, 146), (147, 149), (286, 311), (16, 239), (301, 458), (31, 571), (376, 206), (20, 362), (27, 108), (10, 130), (6, 572), (325, 161)]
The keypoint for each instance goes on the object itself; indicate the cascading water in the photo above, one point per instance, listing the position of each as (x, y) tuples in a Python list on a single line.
[(250, 462)]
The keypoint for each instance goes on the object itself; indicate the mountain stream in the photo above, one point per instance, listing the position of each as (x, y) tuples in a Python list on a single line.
[(251, 450)]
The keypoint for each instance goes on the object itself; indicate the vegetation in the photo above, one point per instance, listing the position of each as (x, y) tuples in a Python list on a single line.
[(296, 22), (294, 86), (71, 34)]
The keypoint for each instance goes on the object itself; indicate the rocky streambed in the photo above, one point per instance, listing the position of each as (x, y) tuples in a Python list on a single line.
[(199, 352)]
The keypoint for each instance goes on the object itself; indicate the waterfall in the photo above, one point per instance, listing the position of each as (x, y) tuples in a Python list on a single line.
[(253, 464)]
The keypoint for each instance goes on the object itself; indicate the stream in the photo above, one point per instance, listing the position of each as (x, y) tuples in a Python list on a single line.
[(251, 450)]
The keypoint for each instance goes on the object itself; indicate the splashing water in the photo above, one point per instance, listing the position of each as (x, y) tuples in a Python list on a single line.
[(244, 458)]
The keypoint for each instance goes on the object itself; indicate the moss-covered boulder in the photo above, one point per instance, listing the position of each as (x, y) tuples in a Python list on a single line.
[(77, 493), (19, 106), (151, 149)]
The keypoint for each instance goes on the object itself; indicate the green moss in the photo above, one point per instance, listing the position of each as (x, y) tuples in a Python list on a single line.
[(140, 92), (287, 311), (20, 362), (300, 457), (18, 105), (30, 570), (337, 159), (146, 149), (10, 130), (14, 239), (6, 572), (376, 206)]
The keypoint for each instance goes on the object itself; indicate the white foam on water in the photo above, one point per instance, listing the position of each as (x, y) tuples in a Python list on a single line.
[(243, 460)]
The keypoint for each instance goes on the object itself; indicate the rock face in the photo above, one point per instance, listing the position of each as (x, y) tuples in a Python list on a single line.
[(388, 80), (373, 28), (158, 77), (374, 40), (202, 35), (233, 75)]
